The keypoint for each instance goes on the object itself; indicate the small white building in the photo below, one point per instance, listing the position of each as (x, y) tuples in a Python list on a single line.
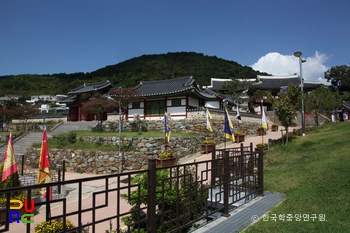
[(45, 107)]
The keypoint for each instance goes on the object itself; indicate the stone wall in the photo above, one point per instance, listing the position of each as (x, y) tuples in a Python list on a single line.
[(33, 124), (104, 162), (139, 149), (196, 122)]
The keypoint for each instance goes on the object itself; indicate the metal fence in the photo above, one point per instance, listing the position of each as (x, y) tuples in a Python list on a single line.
[(158, 199)]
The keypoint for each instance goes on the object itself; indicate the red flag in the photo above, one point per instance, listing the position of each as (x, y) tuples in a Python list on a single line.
[(9, 160), (44, 175)]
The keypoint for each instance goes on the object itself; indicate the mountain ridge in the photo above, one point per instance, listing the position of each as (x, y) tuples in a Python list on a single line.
[(129, 73)]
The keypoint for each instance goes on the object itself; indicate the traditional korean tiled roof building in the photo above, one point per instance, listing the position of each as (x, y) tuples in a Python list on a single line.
[(174, 96), (74, 100), (276, 83)]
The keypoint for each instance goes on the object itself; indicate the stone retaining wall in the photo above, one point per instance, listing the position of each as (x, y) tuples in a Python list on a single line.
[(144, 148), (196, 122), (104, 162)]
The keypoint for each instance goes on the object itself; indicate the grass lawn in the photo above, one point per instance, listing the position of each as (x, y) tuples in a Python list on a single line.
[(314, 172)]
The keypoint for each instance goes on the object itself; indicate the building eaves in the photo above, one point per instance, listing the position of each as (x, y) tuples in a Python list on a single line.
[(68, 99), (88, 87), (346, 104), (166, 87)]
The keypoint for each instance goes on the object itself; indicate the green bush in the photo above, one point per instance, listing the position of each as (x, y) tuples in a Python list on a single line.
[(172, 195), (52, 226), (11, 182), (72, 137)]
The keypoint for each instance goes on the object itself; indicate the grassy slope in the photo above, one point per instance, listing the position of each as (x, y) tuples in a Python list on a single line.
[(314, 172)]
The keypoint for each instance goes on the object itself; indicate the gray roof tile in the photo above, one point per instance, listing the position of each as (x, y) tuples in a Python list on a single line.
[(89, 87), (276, 82), (170, 86)]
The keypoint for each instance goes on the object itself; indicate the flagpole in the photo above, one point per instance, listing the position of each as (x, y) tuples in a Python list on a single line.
[(262, 112)]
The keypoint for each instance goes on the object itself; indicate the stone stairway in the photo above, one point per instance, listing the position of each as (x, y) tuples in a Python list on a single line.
[(70, 126), (27, 140), (22, 143)]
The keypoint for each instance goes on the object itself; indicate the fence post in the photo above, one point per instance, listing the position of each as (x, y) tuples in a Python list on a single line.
[(151, 203), (241, 161), (59, 180), (22, 165), (213, 165), (252, 160), (63, 170), (29, 197), (261, 173), (226, 182)]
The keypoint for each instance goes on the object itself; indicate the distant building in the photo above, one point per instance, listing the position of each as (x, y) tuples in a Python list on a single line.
[(174, 96), (36, 98), (45, 107), (4, 97), (74, 100)]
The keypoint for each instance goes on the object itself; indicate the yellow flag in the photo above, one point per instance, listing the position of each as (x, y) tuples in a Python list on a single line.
[(9, 160), (209, 118)]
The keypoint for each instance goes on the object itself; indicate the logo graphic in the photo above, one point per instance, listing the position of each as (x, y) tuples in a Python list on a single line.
[(16, 205)]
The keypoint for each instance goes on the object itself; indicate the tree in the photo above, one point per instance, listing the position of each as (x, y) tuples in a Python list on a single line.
[(339, 76), (323, 100), (286, 106), (13, 110), (99, 106), (284, 111), (24, 112), (294, 95), (124, 97), (237, 89)]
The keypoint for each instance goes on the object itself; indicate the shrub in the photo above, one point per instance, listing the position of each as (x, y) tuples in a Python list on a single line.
[(261, 128), (207, 141), (11, 182), (173, 196), (52, 226), (238, 133), (166, 155), (3, 200), (72, 137), (262, 144)]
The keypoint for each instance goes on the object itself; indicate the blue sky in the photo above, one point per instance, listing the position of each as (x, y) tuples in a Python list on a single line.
[(67, 36)]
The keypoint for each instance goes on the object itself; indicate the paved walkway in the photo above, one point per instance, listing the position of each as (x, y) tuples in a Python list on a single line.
[(268, 201)]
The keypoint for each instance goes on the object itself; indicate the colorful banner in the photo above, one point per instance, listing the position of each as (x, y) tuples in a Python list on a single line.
[(44, 175), (238, 117), (167, 127), (263, 118), (9, 160), (209, 118), (228, 127)]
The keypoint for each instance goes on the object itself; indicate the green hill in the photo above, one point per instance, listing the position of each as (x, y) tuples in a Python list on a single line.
[(129, 73)]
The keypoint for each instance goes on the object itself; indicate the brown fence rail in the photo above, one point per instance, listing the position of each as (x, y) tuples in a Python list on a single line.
[(159, 199)]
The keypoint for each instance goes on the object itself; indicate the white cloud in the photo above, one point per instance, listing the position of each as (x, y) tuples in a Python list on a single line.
[(278, 65)]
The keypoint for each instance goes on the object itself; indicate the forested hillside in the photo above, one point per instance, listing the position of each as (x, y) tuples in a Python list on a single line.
[(129, 73)]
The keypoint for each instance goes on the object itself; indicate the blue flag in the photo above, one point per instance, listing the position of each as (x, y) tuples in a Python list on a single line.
[(228, 130), (167, 127)]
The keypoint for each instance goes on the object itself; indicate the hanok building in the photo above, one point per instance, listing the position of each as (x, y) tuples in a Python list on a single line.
[(175, 96), (75, 100), (276, 84)]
